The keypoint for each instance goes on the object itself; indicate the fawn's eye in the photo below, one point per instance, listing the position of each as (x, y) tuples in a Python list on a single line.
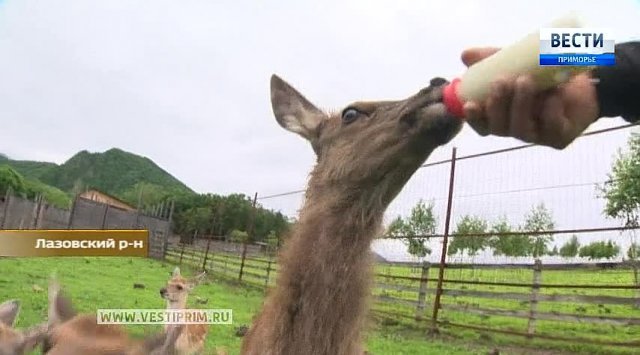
[(349, 115), (179, 288)]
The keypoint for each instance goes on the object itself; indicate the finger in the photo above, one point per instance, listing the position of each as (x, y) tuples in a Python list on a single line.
[(474, 116), (498, 107), (555, 127), (523, 123), (473, 55), (472, 111)]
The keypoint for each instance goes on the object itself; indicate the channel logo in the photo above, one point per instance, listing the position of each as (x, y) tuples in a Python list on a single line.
[(577, 47)]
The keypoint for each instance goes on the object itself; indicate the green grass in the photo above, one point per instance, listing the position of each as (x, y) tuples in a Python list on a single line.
[(108, 283), (572, 330), (575, 330), (95, 283)]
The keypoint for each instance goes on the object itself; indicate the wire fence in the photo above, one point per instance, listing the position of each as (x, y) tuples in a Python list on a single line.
[(467, 279)]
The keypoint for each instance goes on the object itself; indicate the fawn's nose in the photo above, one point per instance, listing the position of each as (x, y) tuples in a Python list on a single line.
[(163, 291)]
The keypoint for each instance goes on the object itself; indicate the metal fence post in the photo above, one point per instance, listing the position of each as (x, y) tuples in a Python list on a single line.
[(249, 235), (422, 293), (535, 290), (40, 214), (34, 212), (104, 216), (445, 240), (266, 280), (181, 254), (206, 254), (72, 212), (167, 234), (216, 221), (636, 279)]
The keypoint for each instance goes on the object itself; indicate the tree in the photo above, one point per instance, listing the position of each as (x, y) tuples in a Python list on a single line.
[(200, 211), (50, 194), (196, 219), (570, 249), (633, 251), (539, 219), (469, 225), (622, 190), (611, 250), (239, 236), (554, 251), (511, 245), (600, 250), (416, 229), (11, 180), (268, 222), (147, 194), (397, 228), (272, 239)]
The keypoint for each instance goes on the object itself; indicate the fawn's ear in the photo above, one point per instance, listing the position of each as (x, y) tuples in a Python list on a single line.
[(293, 111), (176, 272), (60, 306), (9, 311)]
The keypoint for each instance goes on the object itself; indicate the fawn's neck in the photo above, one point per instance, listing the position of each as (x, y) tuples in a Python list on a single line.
[(179, 304), (175, 305), (323, 285)]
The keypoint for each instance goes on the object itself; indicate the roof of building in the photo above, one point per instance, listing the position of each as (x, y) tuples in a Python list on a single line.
[(109, 196)]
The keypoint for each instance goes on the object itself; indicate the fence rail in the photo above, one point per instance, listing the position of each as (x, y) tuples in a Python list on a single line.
[(17, 212), (413, 294), (531, 300), (526, 299)]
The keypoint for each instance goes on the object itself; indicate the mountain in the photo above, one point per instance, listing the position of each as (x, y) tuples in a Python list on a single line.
[(31, 169), (12, 180), (115, 172)]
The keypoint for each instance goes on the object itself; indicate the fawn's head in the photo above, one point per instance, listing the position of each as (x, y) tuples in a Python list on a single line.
[(372, 147), (13, 341), (178, 288), (70, 333)]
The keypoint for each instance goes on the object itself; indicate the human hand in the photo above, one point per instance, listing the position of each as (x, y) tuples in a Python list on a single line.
[(516, 108)]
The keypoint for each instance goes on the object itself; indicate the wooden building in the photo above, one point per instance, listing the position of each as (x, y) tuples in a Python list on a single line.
[(99, 196)]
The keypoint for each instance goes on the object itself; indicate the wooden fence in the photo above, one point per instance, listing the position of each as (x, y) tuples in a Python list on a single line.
[(407, 292), (256, 272)]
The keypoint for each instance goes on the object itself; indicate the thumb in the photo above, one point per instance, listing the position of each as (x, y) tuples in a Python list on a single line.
[(472, 55)]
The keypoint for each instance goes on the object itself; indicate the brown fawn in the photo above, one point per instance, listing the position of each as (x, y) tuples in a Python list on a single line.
[(79, 334), (366, 153), (13, 341), (176, 292)]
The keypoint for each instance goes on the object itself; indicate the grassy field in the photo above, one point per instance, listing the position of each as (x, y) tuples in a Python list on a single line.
[(575, 330), (95, 283), (403, 322)]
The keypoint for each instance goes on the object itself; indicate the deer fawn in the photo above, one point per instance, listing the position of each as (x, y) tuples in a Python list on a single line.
[(176, 292), (79, 334), (365, 155), (13, 341)]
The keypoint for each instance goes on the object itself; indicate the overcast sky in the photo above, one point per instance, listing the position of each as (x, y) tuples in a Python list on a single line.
[(186, 84)]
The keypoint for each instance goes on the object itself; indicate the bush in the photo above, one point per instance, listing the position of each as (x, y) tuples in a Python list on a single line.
[(11, 179)]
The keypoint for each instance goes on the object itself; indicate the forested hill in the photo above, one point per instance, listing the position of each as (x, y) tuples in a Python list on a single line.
[(115, 172), (136, 179)]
